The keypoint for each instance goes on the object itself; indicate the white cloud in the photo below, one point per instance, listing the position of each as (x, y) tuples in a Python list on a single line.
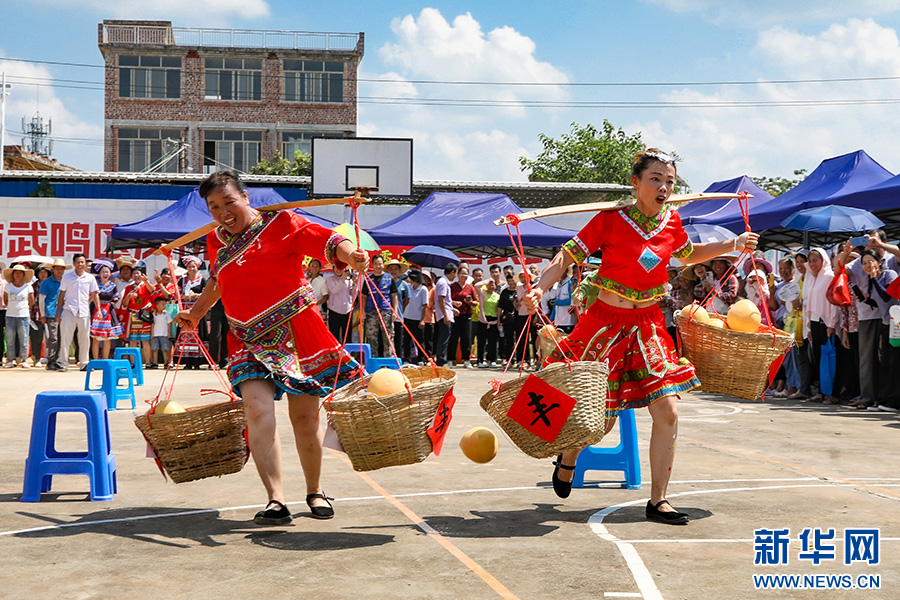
[(432, 48), (458, 142), (212, 13), (78, 143), (720, 143)]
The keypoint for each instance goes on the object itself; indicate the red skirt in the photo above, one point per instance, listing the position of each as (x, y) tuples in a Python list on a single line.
[(300, 356), (643, 363)]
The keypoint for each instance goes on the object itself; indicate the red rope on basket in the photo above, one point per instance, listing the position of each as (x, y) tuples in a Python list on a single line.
[(167, 385), (519, 248)]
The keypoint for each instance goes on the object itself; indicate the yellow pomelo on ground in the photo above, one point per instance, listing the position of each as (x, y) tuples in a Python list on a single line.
[(696, 312), (168, 407), (717, 322), (385, 382), (744, 316), (479, 444)]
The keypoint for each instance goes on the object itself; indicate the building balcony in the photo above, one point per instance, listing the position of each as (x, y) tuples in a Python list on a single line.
[(161, 33)]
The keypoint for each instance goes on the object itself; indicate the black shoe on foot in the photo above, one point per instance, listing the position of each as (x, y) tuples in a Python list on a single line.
[(562, 488), (320, 512), (276, 513), (672, 518)]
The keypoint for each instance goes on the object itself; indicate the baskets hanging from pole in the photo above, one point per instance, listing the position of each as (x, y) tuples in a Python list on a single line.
[(205, 441), (728, 361), (585, 381), (389, 431)]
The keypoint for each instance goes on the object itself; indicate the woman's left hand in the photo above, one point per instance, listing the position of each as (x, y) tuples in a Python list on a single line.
[(747, 241)]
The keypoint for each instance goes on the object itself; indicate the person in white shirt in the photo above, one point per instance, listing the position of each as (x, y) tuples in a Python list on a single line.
[(443, 312), (820, 317), (563, 314), (159, 339), (414, 315), (317, 281), (18, 295), (76, 292), (341, 286)]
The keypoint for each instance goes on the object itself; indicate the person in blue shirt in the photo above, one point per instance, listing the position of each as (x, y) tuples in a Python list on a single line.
[(48, 297), (397, 270), (379, 305)]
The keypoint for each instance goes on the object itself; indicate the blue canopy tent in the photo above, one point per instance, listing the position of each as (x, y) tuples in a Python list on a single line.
[(185, 215), (463, 223), (725, 213), (833, 178), (882, 200)]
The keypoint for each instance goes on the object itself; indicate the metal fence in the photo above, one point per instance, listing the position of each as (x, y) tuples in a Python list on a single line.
[(229, 38)]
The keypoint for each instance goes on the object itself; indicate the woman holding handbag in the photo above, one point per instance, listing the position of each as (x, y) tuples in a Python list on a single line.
[(820, 317)]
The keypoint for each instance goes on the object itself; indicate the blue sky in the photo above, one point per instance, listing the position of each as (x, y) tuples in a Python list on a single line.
[(699, 48)]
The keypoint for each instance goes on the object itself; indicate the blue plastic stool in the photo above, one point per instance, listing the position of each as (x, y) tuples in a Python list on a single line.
[(623, 457), (137, 366), (44, 461), (370, 363), (113, 372)]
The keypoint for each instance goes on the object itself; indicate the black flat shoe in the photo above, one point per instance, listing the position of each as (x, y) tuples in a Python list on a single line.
[(276, 513), (562, 488), (672, 518), (320, 512)]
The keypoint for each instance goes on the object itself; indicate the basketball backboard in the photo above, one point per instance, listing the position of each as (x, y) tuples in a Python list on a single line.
[(381, 165)]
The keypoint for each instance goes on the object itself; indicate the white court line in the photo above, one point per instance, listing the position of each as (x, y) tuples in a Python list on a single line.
[(639, 571), (622, 594)]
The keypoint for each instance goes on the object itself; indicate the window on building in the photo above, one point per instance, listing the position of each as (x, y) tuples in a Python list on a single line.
[(141, 149), (233, 79), (149, 77), (236, 149), (291, 142), (313, 81)]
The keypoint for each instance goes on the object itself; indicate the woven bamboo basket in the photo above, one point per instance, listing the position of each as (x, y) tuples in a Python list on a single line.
[(205, 441), (585, 382), (389, 431), (731, 362)]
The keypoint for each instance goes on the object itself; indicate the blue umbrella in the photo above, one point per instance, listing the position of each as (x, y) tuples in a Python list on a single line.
[(700, 233), (832, 218), (430, 256)]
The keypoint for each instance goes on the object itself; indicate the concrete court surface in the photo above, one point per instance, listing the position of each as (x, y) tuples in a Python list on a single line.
[(449, 528)]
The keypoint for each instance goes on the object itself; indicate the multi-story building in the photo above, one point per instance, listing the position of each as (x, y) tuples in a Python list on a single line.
[(192, 100)]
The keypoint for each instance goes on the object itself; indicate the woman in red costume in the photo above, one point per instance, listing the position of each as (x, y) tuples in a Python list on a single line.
[(278, 342), (626, 326)]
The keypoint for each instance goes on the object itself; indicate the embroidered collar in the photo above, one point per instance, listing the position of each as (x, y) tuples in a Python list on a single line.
[(256, 224), (646, 226)]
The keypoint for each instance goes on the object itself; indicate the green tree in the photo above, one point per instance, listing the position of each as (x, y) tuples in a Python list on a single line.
[(279, 165), (586, 155), (779, 185), (44, 189)]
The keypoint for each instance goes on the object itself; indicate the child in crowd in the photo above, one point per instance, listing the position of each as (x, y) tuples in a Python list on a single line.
[(160, 336)]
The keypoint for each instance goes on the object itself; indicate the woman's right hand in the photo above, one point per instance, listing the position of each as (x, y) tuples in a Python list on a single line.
[(533, 299), (184, 319)]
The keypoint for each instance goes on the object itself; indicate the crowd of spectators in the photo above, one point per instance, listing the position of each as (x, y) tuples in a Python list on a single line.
[(87, 308)]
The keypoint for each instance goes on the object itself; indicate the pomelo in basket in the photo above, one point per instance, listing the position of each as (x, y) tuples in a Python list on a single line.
[(168, 407), (717, 322), (385, 382), (699, 313), (479, 444), (744, 316)]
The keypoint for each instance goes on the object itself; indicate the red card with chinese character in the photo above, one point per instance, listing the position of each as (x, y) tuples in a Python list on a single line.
[(541, 408), (441, 422)]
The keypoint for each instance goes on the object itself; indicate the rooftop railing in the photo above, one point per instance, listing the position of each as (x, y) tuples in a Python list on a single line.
[(229, 38)]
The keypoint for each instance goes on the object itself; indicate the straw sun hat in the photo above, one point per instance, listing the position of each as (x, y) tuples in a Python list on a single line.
[(8, 273)]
